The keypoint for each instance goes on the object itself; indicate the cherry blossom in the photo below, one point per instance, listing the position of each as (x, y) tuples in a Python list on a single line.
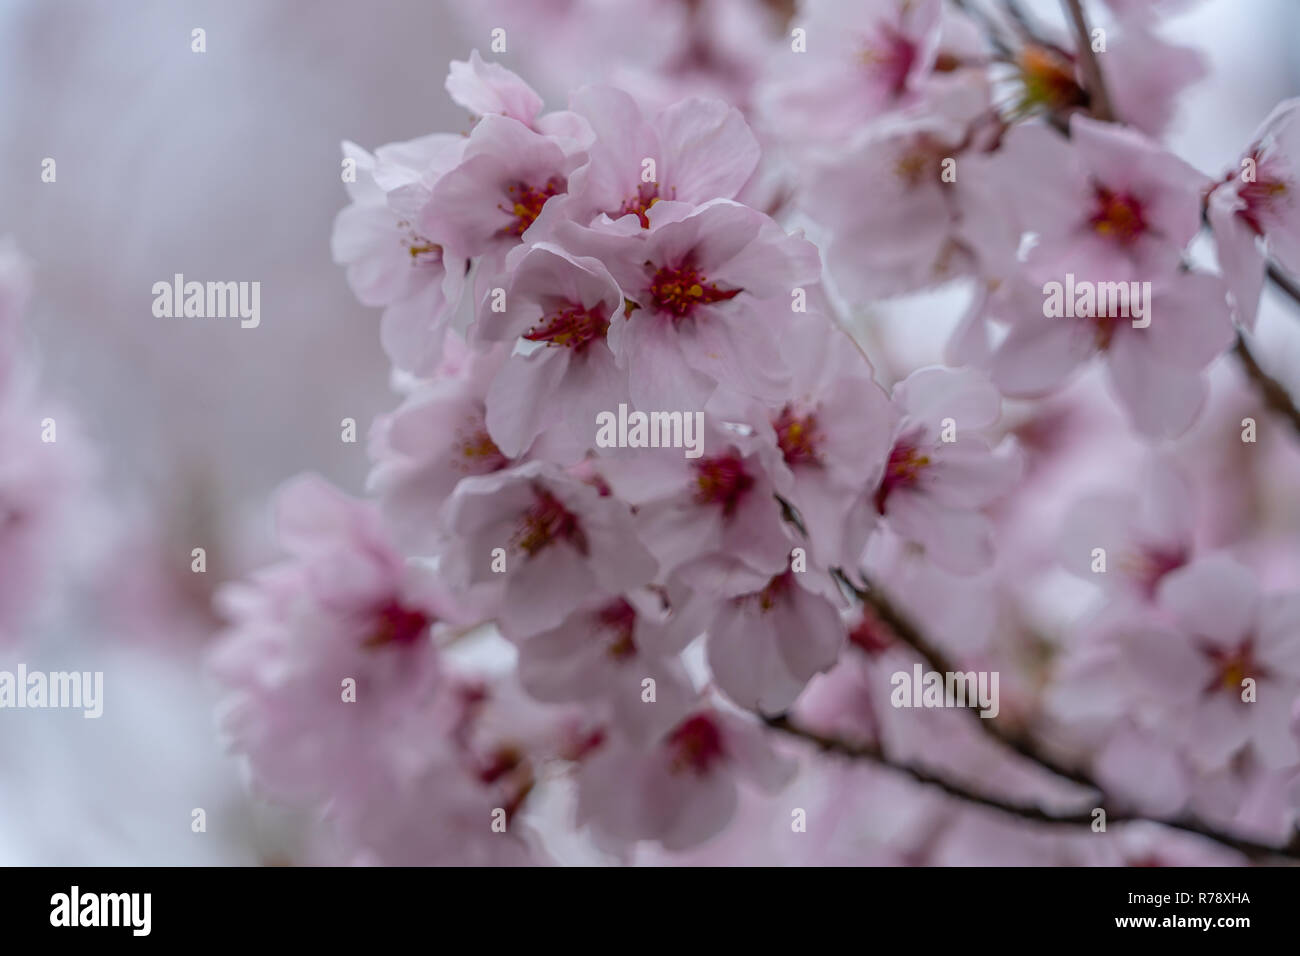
[(1257, 201)]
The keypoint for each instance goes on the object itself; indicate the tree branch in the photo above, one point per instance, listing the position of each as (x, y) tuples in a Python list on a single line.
[(909, 633), (1273, 392), (1033, 813), (1098, 98)]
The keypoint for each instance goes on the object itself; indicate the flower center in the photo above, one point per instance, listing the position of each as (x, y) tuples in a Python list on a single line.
[(619, 621), (395, 624), (546, 522), (798, 437), (647, 194), (572, 328), (775, 591), (1148, 566), (477, 452), (1263, 195), (888, 57), (1231, 666), (679, 291), (906, 462), (525, 203), (420, 249), (871, 635), (1117, 216), (696, 745), (722, 481)]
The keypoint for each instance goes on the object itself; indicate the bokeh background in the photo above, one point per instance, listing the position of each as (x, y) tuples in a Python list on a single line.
[(225, 166)]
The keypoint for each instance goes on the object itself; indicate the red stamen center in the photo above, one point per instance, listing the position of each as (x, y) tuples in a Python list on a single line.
[(619, 621), (1263, 195), (525, 203), (1232, 666), (722, 481), (1149, 565), (889, 56), (395, 624), (906, 462), (647, 194), (477, 452), (1117, 216), (546, 522), (871, 635), (679, 291), (572, 328), (798, 436), (696, 745)]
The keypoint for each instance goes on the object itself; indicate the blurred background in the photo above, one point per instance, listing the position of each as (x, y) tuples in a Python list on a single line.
[(224, 165)]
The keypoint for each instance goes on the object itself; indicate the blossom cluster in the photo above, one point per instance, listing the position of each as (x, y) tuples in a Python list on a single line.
[(648, 248)]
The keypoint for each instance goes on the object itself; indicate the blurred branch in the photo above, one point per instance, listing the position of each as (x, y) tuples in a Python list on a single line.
[(872, 752), (1284, 282), (1273, 392), (912, 635), (1098, 98), (909, 633)]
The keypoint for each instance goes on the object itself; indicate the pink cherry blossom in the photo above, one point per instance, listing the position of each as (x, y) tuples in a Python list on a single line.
[(1145, 534), (344, 607), (765, 645), (1108, 202), (683, 789), (1257, 200), (390, 263), (1193, 673), (561, 306), (713, 520), (605, 651), (862, 59), (423, 449), (829, 442), (711, 289), (487, 89), (507, 174), (933, 487), (556, 537), (693, 151), (1156, 364)]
